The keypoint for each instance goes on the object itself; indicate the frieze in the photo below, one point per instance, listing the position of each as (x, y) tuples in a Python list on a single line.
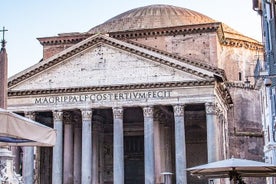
[(107, 88), (100, 97)]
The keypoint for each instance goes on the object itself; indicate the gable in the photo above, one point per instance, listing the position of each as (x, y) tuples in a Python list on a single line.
[(104, 61)]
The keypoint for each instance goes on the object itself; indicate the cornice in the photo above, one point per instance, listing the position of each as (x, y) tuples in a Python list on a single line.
[(232, 42), (99, 39), (224, 93), (168, 31), (110, 88), (241, 85), (63, 39)]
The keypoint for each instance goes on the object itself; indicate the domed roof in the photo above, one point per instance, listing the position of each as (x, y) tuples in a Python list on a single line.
[(152, 16)]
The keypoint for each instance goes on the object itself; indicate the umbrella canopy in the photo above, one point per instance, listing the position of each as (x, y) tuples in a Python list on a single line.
[(234, 168), (16, 130)]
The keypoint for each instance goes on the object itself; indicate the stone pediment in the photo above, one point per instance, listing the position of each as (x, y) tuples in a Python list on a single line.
[(103, 61)]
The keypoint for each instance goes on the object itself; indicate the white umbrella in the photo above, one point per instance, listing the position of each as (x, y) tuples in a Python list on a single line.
[(16, 130), (234, 169)]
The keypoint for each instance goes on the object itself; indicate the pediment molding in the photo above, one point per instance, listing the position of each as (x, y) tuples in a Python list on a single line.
[(195, 68), (12, 93)]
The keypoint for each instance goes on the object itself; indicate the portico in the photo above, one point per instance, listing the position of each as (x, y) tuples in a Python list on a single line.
[(148, 130)]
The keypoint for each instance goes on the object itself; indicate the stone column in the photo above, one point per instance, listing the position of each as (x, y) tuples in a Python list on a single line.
[(28, 157), (149, 145), (168, 147), (77, 151), (86, 156), (211, 120), (96, 156), (118, 142), (68, 149), (180, 145), (58, 148), (157, 118)]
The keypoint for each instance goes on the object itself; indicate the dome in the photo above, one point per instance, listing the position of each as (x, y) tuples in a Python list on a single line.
[(152, 16)]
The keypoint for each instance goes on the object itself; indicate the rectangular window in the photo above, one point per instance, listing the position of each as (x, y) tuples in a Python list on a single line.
[(240, 76)]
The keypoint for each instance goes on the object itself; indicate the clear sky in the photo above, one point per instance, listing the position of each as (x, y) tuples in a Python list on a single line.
[(27, 20)]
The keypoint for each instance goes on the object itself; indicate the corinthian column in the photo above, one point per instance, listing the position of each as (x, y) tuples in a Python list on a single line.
[(118, 142), (149, 145), (212, 132), (68, 148), (57, 150), (180, 145), (28, 157), (86, 161)]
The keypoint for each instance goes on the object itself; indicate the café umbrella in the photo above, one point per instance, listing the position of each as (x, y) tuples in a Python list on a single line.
[(235, 169), (16, 130)]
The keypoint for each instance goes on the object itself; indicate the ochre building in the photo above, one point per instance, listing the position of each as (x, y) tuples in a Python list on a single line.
[(143, 96)]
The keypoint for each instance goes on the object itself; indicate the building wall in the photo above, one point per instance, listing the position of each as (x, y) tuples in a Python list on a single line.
[(245, 127), (235, 60), (194, 46)]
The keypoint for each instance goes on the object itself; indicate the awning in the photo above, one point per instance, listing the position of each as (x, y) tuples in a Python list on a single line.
[(16, 130)]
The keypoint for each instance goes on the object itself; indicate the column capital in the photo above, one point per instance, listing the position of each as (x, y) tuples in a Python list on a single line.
[(86, 114), (30, 115), (178, 109), (212, 108), (158, 115), (67, 117), (118, 112), (148, 111), (58, 115)]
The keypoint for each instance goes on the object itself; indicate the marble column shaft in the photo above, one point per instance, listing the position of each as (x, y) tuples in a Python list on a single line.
[(68, 149), (28, 157), (118, 150), (86, 162), (58, 149), (180, 145), (149, 145), (211, 120), (96, 156), (77, 153)]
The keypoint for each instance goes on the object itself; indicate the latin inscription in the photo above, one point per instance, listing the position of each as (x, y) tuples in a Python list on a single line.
[(99, 97)]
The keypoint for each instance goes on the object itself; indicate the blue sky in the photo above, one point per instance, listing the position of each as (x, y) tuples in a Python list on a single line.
[(27, 20)]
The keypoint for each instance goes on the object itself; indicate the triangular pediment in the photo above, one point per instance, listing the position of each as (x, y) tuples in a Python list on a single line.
[(103, 61)]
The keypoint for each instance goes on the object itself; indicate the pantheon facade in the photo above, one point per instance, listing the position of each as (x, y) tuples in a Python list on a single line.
[(140, 98)]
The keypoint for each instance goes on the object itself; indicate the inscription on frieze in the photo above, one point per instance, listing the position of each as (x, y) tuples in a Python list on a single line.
[(101, 97)]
